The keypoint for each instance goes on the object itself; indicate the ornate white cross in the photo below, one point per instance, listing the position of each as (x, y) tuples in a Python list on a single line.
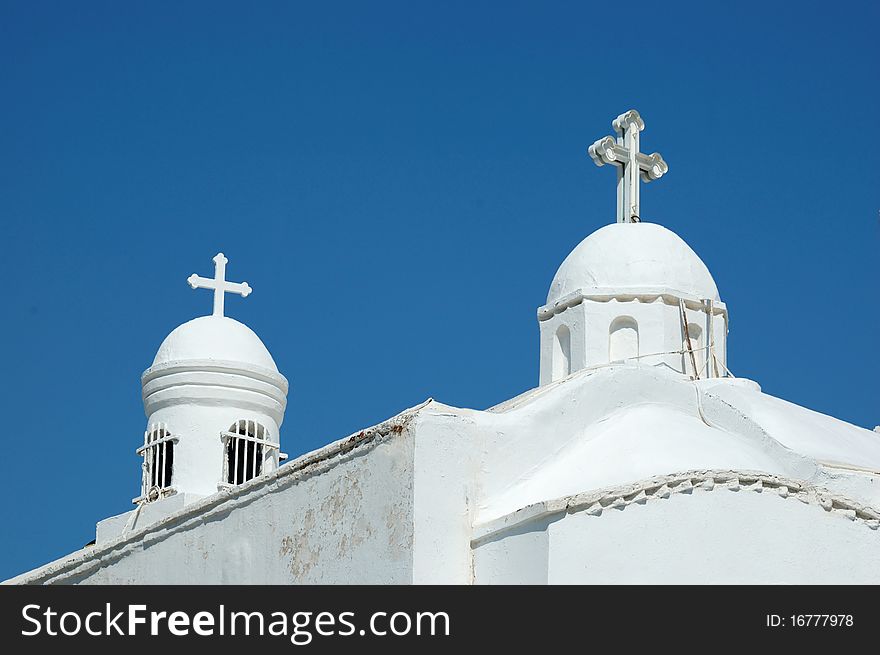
[(219, 284), (631, 164)]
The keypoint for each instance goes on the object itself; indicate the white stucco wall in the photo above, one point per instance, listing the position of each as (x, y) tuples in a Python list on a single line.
[(575, 320), (658, 323), (447, 492), (519, 556), (199, 452), (700, 536), (327, 518)]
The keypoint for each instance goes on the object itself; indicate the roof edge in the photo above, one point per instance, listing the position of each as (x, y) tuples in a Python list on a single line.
[(302, 467), (661, 487), (628, 294)]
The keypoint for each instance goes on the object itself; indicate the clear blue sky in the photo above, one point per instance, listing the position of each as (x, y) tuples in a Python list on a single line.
[(387, 176)]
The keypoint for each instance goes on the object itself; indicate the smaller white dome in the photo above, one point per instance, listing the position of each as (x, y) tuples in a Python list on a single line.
[(214, 338), (629, 257)]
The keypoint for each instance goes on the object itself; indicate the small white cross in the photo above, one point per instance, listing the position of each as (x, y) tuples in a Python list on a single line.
[(631, 164), (219, 284)]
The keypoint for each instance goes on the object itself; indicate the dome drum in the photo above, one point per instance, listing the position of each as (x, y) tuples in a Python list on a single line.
[(633, 293)]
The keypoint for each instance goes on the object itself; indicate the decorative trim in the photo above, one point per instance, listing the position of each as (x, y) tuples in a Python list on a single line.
[(183, 382), (662, 487), (215, 366), (668, 296)]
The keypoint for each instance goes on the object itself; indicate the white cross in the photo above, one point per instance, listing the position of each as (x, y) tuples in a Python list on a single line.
[(219, 284), (631, 164)]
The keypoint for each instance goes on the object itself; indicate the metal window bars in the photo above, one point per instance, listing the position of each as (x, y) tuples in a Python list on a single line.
[(246, 452), (158, 465)]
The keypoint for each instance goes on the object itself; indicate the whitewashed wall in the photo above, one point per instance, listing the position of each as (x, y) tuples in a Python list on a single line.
[(657, 322), (700, 537), (346, 520)]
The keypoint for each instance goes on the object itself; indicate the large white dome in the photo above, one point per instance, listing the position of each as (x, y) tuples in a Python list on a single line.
[(214, 338), (632, 257)]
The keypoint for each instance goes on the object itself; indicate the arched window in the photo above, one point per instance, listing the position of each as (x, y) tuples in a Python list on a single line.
[(623, 339), (561, 353), (247, 450), (158, 466)]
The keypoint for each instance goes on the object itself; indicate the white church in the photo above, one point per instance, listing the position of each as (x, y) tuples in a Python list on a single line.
[(639, 457)]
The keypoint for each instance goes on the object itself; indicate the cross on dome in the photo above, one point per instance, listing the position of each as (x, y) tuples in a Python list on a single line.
[(219, 284), (631, 164)]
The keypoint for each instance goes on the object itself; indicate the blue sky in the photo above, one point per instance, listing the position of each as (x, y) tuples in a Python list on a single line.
[(398, 182)]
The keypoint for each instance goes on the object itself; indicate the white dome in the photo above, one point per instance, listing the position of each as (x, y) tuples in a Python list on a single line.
[(631, 257), (214, 338)]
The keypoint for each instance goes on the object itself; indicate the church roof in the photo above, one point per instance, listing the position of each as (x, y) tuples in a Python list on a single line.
[(825, 439), (217, 338), (623, 423), (626, 258)]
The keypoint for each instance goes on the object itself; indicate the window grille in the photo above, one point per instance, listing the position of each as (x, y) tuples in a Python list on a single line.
[(247, 452), (158, 466)]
